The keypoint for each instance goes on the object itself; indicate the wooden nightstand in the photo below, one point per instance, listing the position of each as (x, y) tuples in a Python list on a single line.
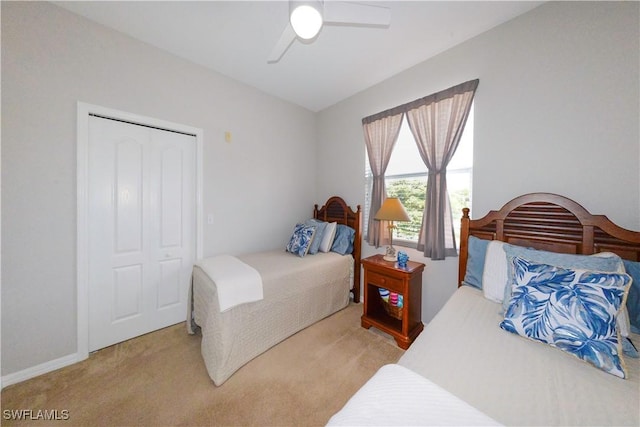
[(407, 282)]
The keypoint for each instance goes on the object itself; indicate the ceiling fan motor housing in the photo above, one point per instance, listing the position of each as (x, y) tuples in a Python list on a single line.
[(306, 18)]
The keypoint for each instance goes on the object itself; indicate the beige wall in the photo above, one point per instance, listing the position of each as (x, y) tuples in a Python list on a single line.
[(256, 187), (557, 110)]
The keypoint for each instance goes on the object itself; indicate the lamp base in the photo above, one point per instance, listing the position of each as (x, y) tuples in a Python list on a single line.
[(390, 255)]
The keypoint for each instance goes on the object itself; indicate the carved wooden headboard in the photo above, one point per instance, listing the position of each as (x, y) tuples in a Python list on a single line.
[(549, 222), (336, 210)]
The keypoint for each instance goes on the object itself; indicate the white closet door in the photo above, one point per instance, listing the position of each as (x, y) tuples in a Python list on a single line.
[(141, 229)]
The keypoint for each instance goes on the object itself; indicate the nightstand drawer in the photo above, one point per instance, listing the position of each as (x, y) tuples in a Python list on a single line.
[(390, 283)]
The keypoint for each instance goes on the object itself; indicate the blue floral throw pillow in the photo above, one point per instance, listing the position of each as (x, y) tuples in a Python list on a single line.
[(300, 240), (573, 310)]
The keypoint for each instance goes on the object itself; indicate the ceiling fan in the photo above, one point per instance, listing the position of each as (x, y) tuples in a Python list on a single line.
[(306, 18)]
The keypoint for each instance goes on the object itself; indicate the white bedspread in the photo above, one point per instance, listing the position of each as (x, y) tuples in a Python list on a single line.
[(514, 380), (237, 282), (297, 293), (397, 396)]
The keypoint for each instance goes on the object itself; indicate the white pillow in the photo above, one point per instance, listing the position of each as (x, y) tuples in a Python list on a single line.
[(328, 236), (624, 324), (622, 318), (494, 277)]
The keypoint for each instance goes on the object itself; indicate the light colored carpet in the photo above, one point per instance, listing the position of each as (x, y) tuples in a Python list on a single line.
[(160, 379)]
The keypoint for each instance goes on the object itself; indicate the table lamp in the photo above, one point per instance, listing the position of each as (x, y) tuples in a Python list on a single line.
[(391, 210)]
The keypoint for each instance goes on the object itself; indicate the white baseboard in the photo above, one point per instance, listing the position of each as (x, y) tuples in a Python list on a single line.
[(43, 368)]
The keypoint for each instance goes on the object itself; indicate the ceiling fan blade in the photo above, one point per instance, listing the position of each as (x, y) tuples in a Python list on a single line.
[(285, 40), (338, 12)]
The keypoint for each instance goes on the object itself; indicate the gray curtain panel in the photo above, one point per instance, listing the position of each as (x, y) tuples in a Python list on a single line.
[(380, 136), (437, 122)]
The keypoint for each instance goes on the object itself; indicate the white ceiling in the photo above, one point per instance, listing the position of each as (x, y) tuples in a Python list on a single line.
[(235, 38)]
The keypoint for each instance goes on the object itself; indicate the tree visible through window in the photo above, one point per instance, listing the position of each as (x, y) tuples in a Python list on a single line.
[(406, 178)]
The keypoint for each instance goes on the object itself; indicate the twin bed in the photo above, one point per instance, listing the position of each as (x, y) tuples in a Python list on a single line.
[(464, 369), (296, 291)]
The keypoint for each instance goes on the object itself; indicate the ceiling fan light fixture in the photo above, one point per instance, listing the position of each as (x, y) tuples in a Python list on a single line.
[(306, 18)]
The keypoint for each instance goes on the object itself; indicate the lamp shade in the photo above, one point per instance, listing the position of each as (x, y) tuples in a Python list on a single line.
[(306, 18), (392, 210)]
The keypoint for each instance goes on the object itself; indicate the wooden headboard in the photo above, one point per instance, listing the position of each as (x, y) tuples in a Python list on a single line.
[(336, 210), (549, 222)]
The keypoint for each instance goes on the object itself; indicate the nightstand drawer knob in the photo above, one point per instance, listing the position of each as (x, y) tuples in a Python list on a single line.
[(383, 281)]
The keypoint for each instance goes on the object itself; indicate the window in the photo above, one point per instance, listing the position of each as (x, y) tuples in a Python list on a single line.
[(406, 178)]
